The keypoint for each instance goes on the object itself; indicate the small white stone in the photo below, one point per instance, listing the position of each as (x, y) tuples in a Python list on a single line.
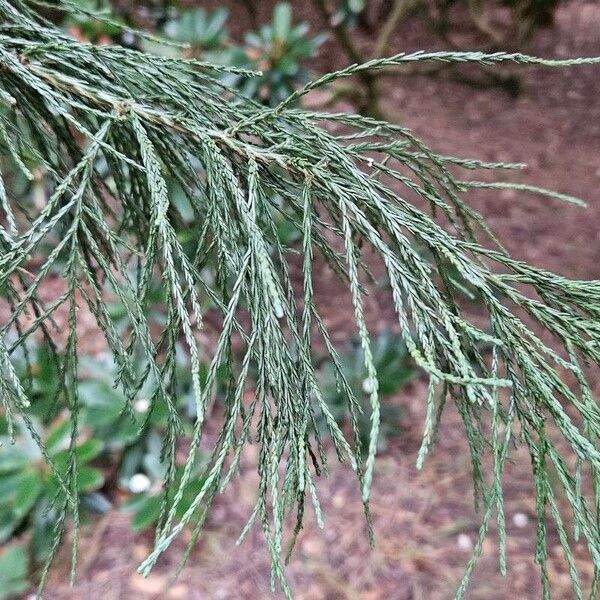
[(338, 500), (520, 520), (139, 483), (128, 38), (141, 405), (367, 385), (463, 541), (103, 357)]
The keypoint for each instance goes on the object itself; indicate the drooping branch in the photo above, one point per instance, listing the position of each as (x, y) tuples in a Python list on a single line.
[(114, 131)]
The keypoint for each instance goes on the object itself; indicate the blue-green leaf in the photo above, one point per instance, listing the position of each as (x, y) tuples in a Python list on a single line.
[(282, 20), (14, 564)]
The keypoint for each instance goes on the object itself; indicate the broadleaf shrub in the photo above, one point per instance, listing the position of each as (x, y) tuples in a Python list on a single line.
[(276, 51)]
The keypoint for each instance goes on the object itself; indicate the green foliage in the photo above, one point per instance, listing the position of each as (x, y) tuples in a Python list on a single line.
[(132, 443), (94, 30), (394, 370), (31, 467), (277, 50), (112, 128), (201, 31), (147, 506), (347, 12), (14, 564), (29, 487)]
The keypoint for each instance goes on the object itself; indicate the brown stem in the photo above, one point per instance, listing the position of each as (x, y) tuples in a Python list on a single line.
[(340, 33), (251, 10), (400, 10), (370, 99)]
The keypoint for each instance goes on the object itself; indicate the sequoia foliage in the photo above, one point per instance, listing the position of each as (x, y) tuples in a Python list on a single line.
[(112, 131)]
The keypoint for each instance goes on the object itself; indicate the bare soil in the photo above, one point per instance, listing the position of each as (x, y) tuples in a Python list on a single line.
[(424, 521)]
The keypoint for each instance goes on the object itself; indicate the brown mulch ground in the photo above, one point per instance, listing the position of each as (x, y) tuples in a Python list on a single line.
[(424, 521)]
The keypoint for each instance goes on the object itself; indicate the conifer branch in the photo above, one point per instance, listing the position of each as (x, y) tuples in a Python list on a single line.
[(111, 129)]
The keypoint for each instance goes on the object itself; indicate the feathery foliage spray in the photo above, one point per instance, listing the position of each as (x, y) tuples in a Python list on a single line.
[(111, 126)]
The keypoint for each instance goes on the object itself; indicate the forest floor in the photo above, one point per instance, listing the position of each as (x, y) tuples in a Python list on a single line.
[(424, 521)]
